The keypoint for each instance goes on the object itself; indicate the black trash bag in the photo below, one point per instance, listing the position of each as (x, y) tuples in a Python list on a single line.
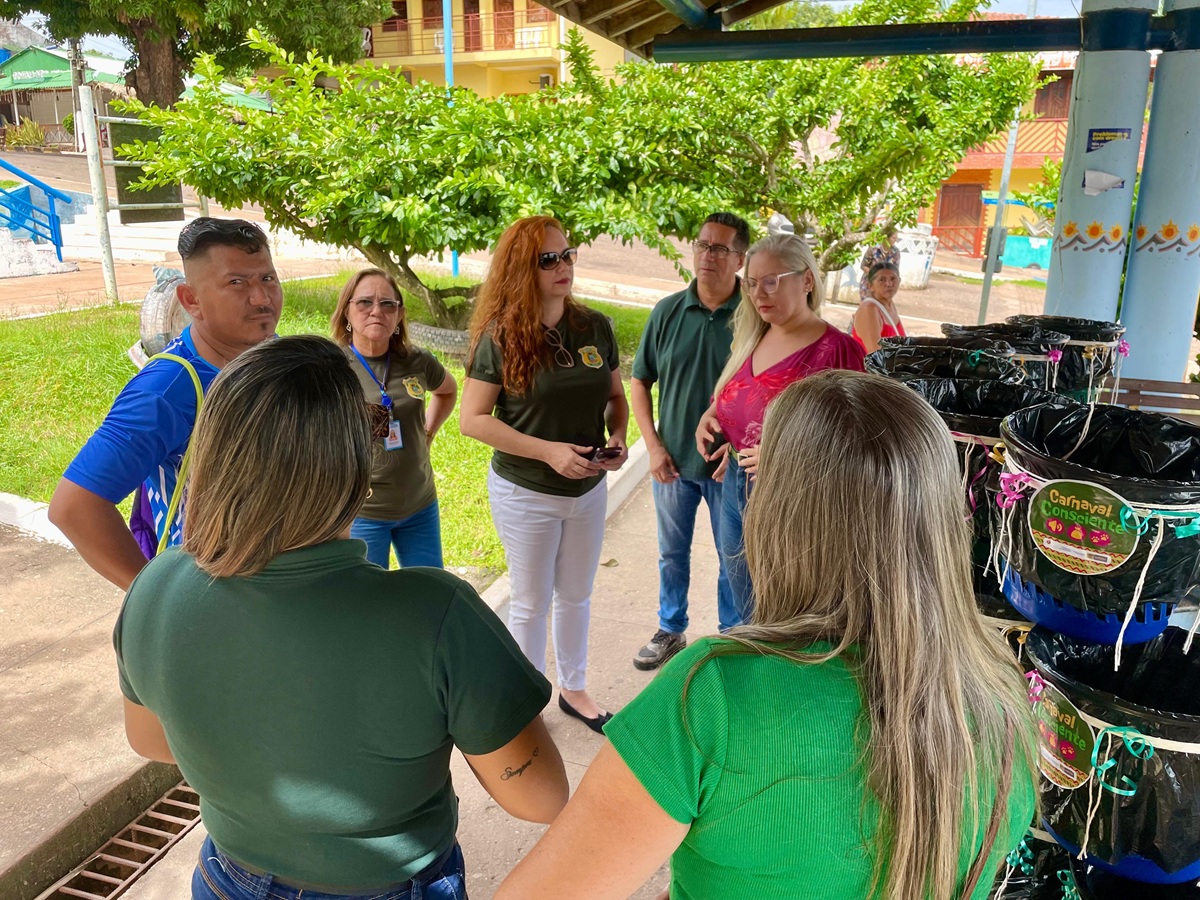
[(1032, 872), (1076, 371), (1031, 344), (943, 360), (1150, 459), (1094, 883), (1152, 831), (974, 406)]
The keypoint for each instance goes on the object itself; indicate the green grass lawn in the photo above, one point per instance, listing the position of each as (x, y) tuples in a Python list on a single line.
[(60, 373)]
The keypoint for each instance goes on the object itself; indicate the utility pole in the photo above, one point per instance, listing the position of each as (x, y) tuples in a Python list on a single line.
[(996, 238), (448, 52), (77, 82)]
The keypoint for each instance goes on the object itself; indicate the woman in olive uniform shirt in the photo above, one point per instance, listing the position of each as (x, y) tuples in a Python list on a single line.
[(543, 388), (401, 509)]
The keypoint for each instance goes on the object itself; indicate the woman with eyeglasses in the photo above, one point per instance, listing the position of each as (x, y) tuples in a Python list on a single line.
[(401, 509), (778, 338), (544, 389)]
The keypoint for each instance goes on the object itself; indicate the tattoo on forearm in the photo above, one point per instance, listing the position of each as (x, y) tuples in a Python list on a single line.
[(510, 772)]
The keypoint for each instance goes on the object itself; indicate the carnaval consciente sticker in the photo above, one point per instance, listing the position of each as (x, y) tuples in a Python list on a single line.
[(1065, 740), (1077, 525)]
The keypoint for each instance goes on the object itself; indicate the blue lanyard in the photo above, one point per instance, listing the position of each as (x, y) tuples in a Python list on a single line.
[(382, 385)]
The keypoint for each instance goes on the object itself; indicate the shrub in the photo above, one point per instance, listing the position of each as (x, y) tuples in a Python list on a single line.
[(28, 134), (68, 124)]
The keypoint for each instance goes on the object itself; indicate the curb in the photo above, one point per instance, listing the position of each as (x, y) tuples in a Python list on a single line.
[(30, 517), (621, 485)]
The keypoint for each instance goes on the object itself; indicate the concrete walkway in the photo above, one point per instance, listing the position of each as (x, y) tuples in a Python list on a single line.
[(65, 766)]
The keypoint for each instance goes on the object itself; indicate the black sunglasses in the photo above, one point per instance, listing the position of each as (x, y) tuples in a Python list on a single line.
[(548, 261)]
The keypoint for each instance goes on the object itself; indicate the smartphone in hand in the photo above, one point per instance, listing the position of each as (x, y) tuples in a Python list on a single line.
[(603, 454)]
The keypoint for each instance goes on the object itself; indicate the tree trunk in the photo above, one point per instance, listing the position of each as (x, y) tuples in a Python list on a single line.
[(158, 78)]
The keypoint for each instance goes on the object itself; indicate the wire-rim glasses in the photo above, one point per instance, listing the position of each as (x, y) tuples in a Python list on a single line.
[(562, 355)]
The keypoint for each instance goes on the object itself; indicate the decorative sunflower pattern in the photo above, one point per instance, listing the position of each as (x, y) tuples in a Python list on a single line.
[(1093, 236), (1169, 237)]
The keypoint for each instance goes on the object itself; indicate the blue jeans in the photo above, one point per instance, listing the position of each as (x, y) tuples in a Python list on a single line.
[(735, 492), (676, 504), (417, 539), (217, 877)]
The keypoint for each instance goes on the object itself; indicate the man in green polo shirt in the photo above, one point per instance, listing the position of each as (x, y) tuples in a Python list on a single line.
[(684, 348)]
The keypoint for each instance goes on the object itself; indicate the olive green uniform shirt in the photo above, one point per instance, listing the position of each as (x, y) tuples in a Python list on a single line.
[(564, 403), (401, 480), (313, 706)]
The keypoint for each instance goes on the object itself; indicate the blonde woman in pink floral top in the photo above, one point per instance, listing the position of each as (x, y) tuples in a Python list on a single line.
[(778, 338)]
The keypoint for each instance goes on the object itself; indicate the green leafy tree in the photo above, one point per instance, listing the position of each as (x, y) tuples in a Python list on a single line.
[(166, 35), (398, 172), (843, 147)]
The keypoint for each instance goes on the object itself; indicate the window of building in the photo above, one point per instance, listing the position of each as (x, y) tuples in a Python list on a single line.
[(431, 13), (538, 13), (1054, 100), (399, 18)]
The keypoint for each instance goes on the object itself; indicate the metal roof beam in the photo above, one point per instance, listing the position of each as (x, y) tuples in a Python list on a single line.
[(693, 14), (906, 39)]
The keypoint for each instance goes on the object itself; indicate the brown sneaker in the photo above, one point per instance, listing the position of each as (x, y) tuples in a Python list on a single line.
[(662, 647)]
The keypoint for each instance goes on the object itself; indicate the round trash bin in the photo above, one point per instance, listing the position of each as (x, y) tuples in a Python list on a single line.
[(1100, 507), (1119, 752), (1091, 354), (927, 357), (1035, 348)]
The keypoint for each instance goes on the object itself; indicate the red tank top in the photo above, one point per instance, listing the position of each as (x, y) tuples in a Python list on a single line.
[(891, 327)]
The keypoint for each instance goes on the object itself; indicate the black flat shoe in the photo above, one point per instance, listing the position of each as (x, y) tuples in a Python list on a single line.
[(596, 724)]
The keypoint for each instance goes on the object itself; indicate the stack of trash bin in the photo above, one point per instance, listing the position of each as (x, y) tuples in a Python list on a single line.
[(1087, 525)]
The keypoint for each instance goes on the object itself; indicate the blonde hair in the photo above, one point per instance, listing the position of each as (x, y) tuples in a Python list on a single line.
[(339, 322), (748, 326), (280, 458), (856, 534)]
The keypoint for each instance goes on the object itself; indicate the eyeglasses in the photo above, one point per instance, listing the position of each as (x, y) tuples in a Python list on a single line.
[(769, 283), (562, 355), (366, 304), (716, 251), (548, 261)]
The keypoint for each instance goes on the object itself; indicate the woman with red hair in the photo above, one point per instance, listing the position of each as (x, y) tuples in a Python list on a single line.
[(543, 388)]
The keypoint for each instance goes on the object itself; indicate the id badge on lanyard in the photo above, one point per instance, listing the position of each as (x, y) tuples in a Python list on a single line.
[(394, 439)]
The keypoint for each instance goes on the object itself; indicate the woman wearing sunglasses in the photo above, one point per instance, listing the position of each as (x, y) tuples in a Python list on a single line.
[(543, 388), (778, 338), (401, 509)]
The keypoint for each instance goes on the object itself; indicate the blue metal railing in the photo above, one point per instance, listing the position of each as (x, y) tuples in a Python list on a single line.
[(24, 214)]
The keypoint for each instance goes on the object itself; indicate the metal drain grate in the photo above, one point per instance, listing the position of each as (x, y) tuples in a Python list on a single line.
[(119, 863)]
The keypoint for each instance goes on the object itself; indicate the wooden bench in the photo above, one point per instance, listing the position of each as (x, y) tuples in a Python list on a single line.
[(1181, 399)]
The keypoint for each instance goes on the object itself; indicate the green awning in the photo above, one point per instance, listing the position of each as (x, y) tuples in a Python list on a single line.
[(35, 69)]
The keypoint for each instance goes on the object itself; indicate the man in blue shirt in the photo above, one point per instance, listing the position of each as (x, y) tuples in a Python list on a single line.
[(684, 348), (234, 297)]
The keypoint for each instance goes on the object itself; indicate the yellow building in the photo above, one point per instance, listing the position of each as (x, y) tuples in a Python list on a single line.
[(500, 46)]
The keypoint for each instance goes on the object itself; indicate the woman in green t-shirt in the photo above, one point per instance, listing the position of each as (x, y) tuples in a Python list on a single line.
[(864, 736), (398, 379), (544, 389)]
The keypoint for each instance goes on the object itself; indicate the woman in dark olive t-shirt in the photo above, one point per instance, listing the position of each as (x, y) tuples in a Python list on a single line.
[(543, 388), (410, 394)]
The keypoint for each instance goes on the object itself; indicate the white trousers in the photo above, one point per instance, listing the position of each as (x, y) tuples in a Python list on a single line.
[(552, 545)]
